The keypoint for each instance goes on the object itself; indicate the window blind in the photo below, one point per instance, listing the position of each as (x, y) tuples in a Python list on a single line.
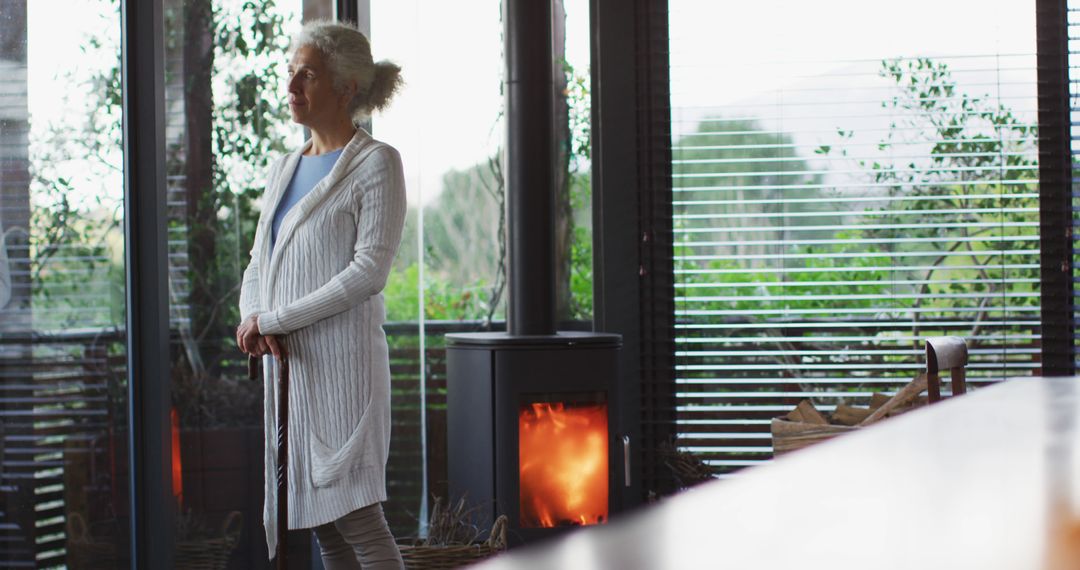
[(834, 208), (1073, 78)]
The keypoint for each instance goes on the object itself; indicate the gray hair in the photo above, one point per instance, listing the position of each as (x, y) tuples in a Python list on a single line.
[(348, 56)]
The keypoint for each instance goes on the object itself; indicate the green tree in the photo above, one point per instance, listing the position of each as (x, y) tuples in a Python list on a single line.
[(735, 182), (464, 229), (237, 122), (977, 176), (578, 142), (742, 192), (462, 225), (978, 179), (74, 257), (965, 208), (228, 84)]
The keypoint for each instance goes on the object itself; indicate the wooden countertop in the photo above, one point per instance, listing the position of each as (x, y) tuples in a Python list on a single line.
[(989, 480)]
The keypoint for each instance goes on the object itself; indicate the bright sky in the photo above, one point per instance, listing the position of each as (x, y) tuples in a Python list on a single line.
[(451, 55), (55, 55), (725, 54), (799, 38)]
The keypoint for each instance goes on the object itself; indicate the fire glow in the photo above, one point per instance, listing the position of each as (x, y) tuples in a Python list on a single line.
[(563, 461)]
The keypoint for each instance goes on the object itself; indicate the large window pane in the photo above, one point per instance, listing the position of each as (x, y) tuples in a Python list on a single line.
[(450, 271), (844, 190), (226, 120), (63, 393), (450, 274)]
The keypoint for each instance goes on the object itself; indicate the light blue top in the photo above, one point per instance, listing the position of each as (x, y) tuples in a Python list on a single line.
[(309, 172)]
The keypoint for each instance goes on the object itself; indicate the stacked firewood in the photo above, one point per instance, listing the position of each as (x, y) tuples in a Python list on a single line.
[(805, 425)]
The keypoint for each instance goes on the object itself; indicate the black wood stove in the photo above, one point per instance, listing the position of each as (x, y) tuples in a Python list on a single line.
[(531, 428), (531, 413)]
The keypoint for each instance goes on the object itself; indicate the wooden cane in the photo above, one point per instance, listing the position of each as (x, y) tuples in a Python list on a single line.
[(283, 464)]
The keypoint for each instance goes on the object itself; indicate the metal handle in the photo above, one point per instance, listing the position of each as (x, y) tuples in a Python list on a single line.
[(626, 458)]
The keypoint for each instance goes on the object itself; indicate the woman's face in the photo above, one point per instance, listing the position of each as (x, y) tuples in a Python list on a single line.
[(313, 101)]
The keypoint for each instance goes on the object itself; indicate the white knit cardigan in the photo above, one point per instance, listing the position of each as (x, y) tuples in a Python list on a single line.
[(320, 288)]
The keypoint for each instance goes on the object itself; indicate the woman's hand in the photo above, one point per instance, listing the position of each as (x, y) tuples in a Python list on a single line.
[(261, 347), (251, 342), (276, 346), (248, 338)]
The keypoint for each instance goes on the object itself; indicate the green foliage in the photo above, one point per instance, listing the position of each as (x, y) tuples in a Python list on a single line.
[(250, 128), (72, 270), (75, 243), (464, 243), (736, 178), (75, 256), (977, 180), (978, 151), (579, 101), (461, 226), (402, 294), (443, 301), (930, 243), (581, 275)]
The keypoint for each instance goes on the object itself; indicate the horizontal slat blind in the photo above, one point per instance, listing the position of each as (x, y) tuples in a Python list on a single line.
[(830, 220), (55, 411), (1073, 15)]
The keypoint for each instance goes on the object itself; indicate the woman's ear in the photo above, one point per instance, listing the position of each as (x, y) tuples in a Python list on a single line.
[(351, 92)]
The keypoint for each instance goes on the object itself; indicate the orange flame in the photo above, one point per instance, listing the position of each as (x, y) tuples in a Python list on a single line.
[(563, 464)]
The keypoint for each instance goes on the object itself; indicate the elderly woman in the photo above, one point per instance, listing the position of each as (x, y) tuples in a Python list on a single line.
[(331, 221)]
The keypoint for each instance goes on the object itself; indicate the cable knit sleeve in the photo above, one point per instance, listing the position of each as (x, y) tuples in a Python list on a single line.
[(249, 285), (379, 226)]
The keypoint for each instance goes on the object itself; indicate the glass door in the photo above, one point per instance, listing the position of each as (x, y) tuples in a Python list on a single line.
[(226, 121), (64, 475)]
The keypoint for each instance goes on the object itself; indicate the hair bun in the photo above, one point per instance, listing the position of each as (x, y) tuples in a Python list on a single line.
[(385, 84)]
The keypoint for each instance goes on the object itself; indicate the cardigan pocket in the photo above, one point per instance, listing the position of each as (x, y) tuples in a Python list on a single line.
[(329, 465)]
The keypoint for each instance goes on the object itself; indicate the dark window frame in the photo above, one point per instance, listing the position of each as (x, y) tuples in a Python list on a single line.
[(147, 272), (633, 285), (1055, 189)]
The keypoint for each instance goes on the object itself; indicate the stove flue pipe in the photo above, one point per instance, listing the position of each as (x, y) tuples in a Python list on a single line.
[(530, 151)]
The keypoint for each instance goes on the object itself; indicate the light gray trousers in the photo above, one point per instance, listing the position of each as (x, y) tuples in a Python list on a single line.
[(360, 540)]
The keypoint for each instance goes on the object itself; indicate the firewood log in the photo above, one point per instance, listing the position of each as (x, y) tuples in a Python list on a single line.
[(904, 396), (807, 413), (849, 415)]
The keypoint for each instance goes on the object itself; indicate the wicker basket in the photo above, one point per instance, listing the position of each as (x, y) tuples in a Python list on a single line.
[(423, 557), (86, 552), (942, 353), (211, 553), (789, 435), (91, 556), (687, 468)]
